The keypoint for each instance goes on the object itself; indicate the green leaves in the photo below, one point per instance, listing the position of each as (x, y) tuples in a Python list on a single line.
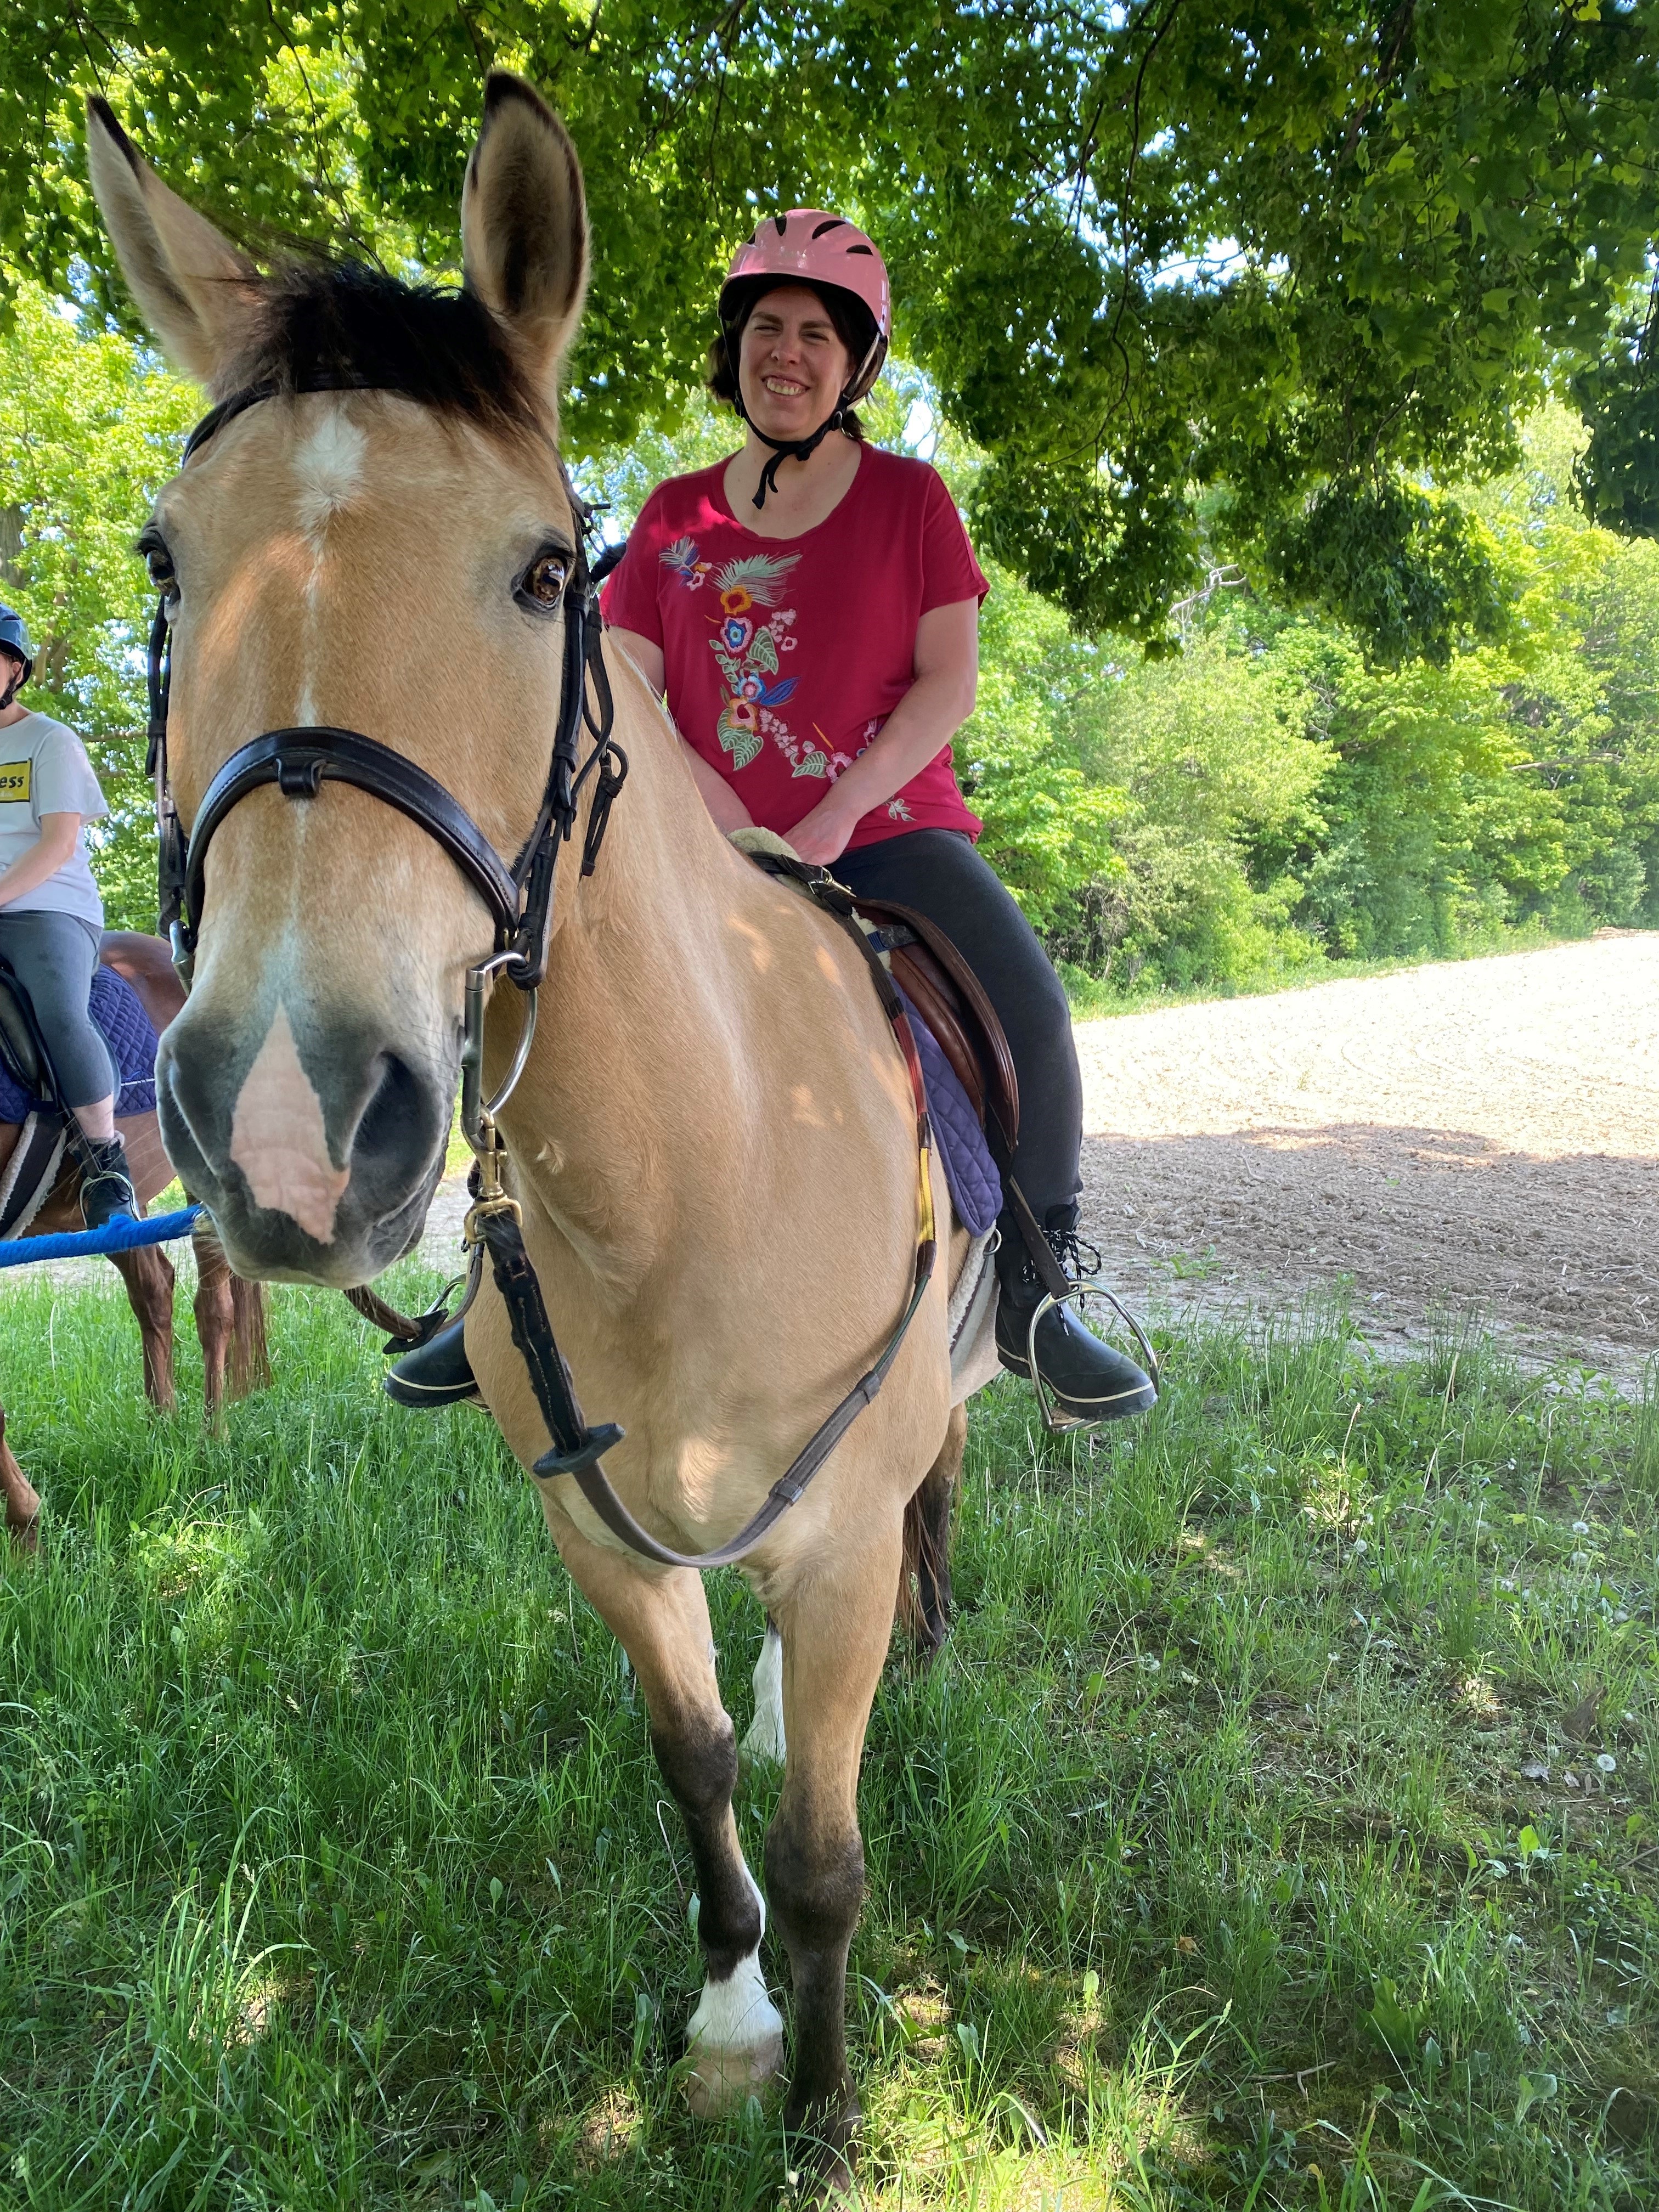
[(1390, 2025), (1533, 2090), (1144, 253), (1413, 574)]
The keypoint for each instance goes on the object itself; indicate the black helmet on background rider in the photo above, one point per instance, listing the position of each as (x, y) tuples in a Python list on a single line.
[(16, 643)]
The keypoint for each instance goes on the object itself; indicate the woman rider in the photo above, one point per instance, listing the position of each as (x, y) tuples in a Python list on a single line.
[(51, 917), (808, 609)]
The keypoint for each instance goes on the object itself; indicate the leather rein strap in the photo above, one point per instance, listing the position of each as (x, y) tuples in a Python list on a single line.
[(577, 1448)]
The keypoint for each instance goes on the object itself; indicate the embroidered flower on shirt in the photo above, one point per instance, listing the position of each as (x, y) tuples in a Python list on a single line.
[(753, 580), (681, 557)]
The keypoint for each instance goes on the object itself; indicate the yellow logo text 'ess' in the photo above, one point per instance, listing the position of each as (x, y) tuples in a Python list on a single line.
[(14, 782)]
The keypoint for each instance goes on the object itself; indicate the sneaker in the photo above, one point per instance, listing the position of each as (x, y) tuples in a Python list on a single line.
[(106, 1191), (435, 1373), (1085, 1379)]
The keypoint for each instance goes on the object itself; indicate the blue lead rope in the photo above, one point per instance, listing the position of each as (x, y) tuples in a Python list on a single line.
[(115, 1237)]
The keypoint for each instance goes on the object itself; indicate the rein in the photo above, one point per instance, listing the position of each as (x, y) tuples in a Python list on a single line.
[(298, 759)]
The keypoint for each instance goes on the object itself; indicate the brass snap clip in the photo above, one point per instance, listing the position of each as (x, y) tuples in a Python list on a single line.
[(492, 1200)]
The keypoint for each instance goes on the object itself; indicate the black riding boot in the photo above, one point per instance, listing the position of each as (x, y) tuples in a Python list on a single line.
[(106, 1191), (436, 1373), (1087, 1379)]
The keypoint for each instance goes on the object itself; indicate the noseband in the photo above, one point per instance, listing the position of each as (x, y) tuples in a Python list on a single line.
[(299, 759)]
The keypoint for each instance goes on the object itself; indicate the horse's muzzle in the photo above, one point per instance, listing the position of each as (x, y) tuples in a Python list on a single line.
[(316, 1146)]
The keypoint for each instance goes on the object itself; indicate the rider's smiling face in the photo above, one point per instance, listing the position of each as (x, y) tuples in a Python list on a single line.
[(792, 366)]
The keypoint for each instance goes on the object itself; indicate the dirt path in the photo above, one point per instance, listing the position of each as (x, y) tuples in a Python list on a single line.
[(1480, 1138), (1477, 1138)]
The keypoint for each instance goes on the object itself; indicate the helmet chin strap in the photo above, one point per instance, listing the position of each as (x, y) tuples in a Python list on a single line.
[(16, 683), (787, 449)]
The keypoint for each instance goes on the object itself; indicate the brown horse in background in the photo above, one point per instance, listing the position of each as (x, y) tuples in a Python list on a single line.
[(230, 1318)]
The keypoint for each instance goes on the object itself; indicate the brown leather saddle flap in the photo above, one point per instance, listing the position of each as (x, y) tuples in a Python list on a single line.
[(950, 998)]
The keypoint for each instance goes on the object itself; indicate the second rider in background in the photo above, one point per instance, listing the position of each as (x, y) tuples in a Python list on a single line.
[(51, 917)]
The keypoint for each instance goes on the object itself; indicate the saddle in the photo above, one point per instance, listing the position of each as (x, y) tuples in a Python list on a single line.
[(22, 1051), (950, 998), (37, 1158)]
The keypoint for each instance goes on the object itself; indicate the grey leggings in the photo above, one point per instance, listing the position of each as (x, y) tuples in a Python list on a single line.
[(53, 956)]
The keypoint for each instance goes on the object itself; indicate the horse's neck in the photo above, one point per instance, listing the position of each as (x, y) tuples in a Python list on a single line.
[(643, 1077)]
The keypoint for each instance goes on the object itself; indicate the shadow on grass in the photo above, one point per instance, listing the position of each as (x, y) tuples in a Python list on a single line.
[(1276, 1830)]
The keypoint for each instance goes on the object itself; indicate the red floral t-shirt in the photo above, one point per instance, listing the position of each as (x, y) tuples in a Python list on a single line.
[(784, 656)]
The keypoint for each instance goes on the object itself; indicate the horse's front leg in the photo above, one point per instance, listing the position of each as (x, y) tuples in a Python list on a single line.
[(735, 2035), (834, 1623), (250, 1353), (21, 1498), (147, 1274), (216, 1319)]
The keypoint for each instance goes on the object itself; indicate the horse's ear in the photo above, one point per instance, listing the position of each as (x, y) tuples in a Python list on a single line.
[(524, 224), (194, 289)]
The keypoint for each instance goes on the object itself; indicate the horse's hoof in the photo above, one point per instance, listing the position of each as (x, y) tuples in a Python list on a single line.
[(722, 2080), (26, 1534), (820, 2154), (734, 2040)]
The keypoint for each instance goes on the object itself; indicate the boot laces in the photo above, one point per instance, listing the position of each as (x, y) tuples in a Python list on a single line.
[(1068, 1248)]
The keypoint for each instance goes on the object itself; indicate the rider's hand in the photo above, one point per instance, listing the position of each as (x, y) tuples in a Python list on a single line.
[(821, 836)]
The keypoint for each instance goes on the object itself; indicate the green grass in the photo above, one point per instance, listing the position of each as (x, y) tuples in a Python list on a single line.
[(1203, 1870)]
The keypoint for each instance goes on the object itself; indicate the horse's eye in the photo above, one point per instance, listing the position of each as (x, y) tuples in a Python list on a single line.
[(544, 582), (158, 560)]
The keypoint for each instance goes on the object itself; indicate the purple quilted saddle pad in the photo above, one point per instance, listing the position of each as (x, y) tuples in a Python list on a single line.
[(976, 1186), (118, 1012)]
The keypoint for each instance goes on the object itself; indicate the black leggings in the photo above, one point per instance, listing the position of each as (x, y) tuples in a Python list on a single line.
[(54, 955), (938, 872)]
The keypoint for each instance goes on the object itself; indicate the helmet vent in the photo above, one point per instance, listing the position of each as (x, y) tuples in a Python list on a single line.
[(862, 249), (836, 222)]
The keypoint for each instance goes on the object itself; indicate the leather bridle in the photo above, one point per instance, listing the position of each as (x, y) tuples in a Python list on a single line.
[(299, 758)]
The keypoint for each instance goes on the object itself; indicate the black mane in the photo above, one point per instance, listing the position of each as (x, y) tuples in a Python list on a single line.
[(326, 324)]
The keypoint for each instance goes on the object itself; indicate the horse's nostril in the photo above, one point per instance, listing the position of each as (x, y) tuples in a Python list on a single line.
[(393, 1122)]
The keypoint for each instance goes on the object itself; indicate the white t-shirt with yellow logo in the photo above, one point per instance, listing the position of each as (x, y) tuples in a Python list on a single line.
[(44, 769)]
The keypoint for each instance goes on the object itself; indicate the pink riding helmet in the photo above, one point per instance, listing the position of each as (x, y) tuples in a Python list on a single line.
[(809, 245)]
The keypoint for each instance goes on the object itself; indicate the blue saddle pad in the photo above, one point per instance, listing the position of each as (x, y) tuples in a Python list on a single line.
[(119, 1012), (976, 1186)]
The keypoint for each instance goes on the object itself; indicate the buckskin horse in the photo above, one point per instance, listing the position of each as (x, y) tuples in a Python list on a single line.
[(370, 562), (229, 1314)]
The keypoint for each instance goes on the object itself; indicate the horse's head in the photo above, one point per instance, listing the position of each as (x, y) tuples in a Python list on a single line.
[(388, 560)]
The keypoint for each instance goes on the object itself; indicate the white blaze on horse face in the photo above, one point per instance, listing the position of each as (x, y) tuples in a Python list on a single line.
[(328, 473), (279, 1138), (735, 2037)]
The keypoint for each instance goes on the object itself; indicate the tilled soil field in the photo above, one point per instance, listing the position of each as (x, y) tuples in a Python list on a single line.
[(1473, 1140)]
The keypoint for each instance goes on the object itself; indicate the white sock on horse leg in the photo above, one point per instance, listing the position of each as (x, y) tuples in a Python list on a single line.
[(765, 1739), (735, 2037)]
